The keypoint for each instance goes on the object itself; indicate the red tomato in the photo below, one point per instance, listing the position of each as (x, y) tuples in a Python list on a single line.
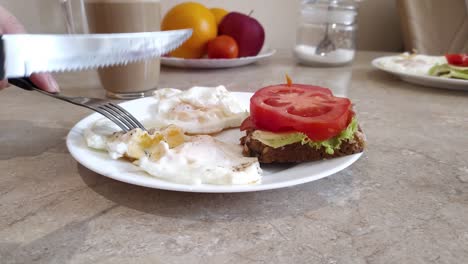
[(457, 59), (247, 124), (223, 47), (311, 110)]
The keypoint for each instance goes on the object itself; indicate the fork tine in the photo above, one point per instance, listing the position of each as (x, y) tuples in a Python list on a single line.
[(127, 114), (110, 116), (117, 115)]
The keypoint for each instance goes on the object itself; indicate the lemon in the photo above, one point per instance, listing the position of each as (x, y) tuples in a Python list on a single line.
[(200, 19), (219, 14)]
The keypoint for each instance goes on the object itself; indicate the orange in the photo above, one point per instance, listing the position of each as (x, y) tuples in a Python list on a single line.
[(195, 16), (219, 14)]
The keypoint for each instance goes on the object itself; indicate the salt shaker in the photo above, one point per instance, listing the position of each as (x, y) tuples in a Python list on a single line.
[(330, 23)]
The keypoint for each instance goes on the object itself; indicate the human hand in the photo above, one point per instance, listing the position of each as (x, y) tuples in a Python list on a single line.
[(10, 25)]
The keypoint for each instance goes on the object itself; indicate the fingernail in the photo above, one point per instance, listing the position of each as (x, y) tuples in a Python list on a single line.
[(53, 86)]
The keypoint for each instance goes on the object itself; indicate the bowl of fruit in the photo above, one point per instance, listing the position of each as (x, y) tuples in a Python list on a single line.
[(220, 39)]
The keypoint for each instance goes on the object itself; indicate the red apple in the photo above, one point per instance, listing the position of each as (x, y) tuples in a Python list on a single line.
[(247, 31)]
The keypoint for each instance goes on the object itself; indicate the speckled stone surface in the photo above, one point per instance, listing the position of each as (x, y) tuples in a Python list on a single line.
[(404, 201)]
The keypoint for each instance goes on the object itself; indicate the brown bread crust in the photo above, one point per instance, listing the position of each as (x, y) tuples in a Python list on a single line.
[(297, 152)]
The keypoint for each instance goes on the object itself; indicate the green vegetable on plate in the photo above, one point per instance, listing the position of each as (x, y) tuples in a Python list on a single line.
[(449, 71)]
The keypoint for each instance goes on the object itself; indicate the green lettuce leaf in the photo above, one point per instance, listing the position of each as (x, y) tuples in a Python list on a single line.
[(449, 71), (276, 140), (334, 143)]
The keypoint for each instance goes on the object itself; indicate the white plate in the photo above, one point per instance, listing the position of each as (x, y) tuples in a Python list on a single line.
[(423, 79), (274, 176), (215, 63)]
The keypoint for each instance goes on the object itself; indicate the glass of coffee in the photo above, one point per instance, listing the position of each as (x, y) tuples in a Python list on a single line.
[(133, 80)]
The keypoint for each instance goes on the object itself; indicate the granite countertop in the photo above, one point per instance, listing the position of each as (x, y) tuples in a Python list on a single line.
[(404, 201)]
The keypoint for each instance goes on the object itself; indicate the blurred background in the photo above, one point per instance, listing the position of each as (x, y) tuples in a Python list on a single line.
[(376, 18)]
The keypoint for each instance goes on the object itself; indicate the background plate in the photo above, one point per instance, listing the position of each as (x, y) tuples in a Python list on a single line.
[(215, 63), (274, 176), (425, 80)]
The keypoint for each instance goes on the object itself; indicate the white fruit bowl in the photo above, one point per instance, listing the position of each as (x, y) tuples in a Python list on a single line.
[(205, 63)]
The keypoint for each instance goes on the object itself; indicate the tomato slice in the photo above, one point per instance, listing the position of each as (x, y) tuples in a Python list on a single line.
[(457, 59), (247, 124), (312, 110)]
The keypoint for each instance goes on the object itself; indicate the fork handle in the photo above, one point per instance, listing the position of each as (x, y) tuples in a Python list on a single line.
[(2, 59), (23, 83)]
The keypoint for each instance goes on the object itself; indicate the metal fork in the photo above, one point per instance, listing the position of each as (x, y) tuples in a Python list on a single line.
[(114, 112)]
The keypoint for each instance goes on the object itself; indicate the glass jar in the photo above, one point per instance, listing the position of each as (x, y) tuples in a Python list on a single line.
[(331, 26)]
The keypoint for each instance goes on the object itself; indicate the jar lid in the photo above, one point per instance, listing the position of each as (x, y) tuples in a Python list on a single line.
[(348, 4), (332, 12)]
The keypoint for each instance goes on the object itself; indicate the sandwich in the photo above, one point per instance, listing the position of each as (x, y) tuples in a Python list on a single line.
[(292, 123), (456, 67)]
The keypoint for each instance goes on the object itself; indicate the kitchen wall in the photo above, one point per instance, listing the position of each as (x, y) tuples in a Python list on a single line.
[(379, 27)]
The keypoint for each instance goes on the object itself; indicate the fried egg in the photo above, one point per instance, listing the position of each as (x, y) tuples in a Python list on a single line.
[(202, 160), (105, 135), (199, 110), (138, 143), (171, 151), (411, 63), (98, 134), (170, 155)]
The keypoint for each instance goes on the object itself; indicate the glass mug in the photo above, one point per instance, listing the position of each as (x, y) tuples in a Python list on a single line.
[(131, 81)]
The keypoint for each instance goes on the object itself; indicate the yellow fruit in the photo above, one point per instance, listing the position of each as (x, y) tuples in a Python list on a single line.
[(219, 14), (195, 16)]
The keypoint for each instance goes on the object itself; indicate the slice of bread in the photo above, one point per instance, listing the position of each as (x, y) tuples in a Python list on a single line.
[(297, 152)]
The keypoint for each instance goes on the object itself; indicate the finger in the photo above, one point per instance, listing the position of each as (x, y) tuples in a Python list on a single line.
[(9, 24), (3, 84), (46, 82)]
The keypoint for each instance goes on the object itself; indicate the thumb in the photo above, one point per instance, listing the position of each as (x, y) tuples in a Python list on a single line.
[(9, 24), (46, 82)]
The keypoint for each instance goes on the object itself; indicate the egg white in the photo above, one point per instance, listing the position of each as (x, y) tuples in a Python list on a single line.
[(411, 63), (199, 110), (200, 159), (98, 134), (203, 160)]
